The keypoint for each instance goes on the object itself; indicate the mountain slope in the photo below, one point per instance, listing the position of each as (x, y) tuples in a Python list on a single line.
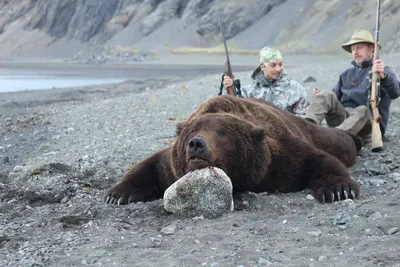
[(62, 28)]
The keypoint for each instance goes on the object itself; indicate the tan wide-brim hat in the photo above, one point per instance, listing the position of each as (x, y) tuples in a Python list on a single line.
[(359, 36)]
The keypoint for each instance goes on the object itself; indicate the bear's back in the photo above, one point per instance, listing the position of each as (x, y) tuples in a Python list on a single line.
[(275, 121)]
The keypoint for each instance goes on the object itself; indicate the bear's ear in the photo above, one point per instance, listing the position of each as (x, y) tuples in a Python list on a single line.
[(257, 133), (179, 128)]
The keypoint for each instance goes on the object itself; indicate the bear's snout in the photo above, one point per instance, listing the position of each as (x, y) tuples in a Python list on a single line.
[(197, 146)]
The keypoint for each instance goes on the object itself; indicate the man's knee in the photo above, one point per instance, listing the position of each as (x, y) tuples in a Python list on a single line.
[(327, 97), (362, 112)]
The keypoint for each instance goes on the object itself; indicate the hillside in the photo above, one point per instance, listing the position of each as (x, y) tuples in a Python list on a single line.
[(67, 28)]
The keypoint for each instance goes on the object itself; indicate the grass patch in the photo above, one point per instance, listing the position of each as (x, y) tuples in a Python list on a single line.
[(294, 44), (131, 50), (212, 51)]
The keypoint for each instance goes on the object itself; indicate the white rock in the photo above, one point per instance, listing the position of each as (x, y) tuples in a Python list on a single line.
[(393, 230), (310, 197), (375, 216), (263, 262), (395, 176), (169, 230), (18, 168), (322, 258), (316, 233), (206, 192)]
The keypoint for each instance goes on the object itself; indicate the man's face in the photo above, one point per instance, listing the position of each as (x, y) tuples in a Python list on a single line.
[(273, 69), (362, 52)]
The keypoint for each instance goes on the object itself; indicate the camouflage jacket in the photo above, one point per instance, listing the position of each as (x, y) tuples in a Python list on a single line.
[(284, 92)]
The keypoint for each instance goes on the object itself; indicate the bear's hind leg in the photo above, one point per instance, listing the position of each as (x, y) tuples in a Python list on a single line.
[(329, 178)]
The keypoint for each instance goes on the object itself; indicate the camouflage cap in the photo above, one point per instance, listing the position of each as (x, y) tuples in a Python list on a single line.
[(268, 55)]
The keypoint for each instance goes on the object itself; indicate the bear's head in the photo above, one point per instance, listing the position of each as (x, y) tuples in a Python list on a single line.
[(222, 140)]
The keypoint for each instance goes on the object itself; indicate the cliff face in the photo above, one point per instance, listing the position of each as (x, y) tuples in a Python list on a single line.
[(40, 26)]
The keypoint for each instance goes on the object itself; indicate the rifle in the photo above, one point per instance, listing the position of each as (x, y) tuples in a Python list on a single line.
[(376, 138), (235, 88)]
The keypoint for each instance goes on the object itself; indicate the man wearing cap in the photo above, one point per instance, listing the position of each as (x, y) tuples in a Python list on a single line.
[(346, 106), (273, 85)]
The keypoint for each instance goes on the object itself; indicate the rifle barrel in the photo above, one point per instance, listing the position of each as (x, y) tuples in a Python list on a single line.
[(226, 51), (229, 72), (378, 11)]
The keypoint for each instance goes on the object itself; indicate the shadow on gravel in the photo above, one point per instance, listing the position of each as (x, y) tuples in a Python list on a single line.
[(35, 198)]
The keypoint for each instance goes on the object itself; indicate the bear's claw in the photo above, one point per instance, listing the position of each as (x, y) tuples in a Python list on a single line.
[(120, 195), (345, 193), (114, 201), (346, 196)]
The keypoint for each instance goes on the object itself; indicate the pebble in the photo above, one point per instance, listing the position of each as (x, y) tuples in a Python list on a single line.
[(375, 168), (341, 217), (309, 79), (310, 197), (375, 216), (18, 168), (11, 201), (376, 182), (395, 176), (169, 230), (64, 199), (316, 233), (198, 218), (263, 262), (393, 230)]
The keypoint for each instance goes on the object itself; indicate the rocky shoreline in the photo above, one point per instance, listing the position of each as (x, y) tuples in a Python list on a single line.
[(61, 148)]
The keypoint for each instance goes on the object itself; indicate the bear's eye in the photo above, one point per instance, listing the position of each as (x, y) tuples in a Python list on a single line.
[(220, 133)]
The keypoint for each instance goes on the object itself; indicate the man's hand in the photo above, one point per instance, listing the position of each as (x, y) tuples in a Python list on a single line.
[(315, 91), (379, 66), (227, 82)]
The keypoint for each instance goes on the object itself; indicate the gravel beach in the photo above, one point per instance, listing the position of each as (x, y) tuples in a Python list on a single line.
[(61, 148)]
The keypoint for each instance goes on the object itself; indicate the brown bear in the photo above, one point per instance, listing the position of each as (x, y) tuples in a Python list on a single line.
[(258, 145)]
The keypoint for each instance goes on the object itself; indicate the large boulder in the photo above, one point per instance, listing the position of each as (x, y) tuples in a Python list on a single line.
[(206, 192)]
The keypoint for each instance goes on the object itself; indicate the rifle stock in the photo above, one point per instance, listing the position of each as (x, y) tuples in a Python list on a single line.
[(230, 90), (376, 138)]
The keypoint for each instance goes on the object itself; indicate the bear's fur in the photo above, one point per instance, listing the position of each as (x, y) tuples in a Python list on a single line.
[(258, 145)]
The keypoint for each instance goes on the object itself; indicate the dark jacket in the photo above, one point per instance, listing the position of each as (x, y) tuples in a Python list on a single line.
[(354, 84)]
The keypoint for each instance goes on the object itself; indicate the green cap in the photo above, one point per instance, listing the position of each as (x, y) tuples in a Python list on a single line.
[(268, 55)]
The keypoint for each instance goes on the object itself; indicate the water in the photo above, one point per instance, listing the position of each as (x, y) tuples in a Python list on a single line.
[(19, 79), (21, 82), (16, 78)]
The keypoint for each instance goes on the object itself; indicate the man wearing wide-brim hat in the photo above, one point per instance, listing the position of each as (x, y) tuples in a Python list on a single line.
[(359, 36), (346, 106)]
